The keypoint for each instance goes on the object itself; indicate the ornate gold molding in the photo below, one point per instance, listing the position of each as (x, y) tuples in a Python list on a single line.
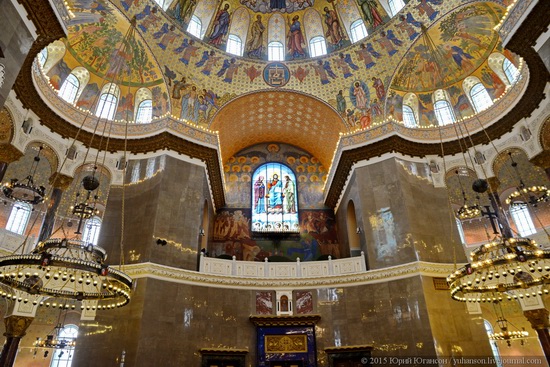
[(295, 320), (60, 181), (9, 153), (538, 318), (16, 326)]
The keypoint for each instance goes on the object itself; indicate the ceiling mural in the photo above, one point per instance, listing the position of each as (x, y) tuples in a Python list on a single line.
[(462, 41)]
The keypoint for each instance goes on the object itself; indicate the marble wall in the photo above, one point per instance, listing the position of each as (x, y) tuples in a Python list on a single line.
[(15, 43), (159, 207), (402, 216)]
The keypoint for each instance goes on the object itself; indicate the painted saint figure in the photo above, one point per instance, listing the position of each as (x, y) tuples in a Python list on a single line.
[(221, 26), (289, 198), (370, 12), (256, 42), (275, 194), (334, 31), (259, 195), (295, 39), (277, 4), (183, 9), (360, 96)]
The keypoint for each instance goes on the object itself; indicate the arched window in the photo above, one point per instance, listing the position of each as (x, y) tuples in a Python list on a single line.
[(494, 346), (91, 230), (234, 45), (70, 88), (274, 199), (64, 357), (108, 101), (43, 56), (510, 70), (275, 51), (164, 4), (408, 116), (444, 113), (150, 169), (357, 30), (144, 112), (395, 6), (317, 46), (480, 97), (135, 172), (522, 219), (19, 217), (195, 26)]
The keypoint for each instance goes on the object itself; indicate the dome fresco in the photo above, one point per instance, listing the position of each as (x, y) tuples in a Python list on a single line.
[(365, 84)]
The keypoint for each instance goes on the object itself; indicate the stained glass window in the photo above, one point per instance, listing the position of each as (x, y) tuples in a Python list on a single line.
[(274, 199)]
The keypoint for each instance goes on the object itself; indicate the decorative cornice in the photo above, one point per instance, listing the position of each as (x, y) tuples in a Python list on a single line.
[(521, 43), (177, 275), (295, 320), (349, 348)]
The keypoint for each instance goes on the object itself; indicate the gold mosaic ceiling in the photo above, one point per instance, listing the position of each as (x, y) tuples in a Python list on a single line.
[(279, 117)]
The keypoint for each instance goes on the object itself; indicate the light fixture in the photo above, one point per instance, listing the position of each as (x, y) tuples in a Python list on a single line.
[(527, 194), (26, 190), (506, 334)]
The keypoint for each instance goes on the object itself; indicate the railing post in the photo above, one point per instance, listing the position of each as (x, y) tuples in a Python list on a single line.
[(298, 268), (234, 266), (363, 261), (201, 262), (266, 268), (330, 266)]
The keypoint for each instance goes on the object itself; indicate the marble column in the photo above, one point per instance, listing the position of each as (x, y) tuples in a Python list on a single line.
[(539, 321), (16, 327), (60, 183), (496, 205)]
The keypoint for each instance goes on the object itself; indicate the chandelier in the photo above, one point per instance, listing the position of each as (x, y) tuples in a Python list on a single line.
[(530, 194), (506, 334), (26, 190), (501, 266)]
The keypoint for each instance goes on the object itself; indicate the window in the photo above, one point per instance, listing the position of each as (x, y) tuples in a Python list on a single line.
[(317, 46), (64, 357), (408, 116), (480, 97), (494, 347), (135, 172), (357, 30), (91, 230), (522, 219), (444, 113), (106, 106), (275, 51), (195, 26), (19, 217), (150, 170), (510, 70), (145, 112), (69, 89), (43, 56), (395, 6), (274, 199), (234, 45), (164, 4), (460, 231)]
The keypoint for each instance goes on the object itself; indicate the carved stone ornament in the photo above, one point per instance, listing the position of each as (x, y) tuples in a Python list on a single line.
[(538, 318), (16, 326)]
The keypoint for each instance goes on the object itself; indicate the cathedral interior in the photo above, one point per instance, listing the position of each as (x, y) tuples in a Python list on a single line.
[(269, 183)]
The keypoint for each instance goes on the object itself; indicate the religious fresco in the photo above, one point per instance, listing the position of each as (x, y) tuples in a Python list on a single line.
[(233, 236), (462, 41), (309, 172)]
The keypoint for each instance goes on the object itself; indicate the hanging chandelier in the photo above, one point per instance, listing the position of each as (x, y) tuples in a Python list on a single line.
[(26, 190), (505, 334), (531, 195)]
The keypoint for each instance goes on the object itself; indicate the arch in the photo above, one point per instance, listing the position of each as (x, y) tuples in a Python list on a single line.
[(48, 152), (496, 63), (443, 109), (349, 13), (143, 101), (7, 126), (164, 4), (477, 94), (358, 30), (544, 136), (108, 101), (276, 29), (195, 26), (92, 227), (204, 11), (317, 46), (411, 117), (64, 356), (274, 198), (56, 51), (354, 230), (493, 343), (394, 7), (275, 51), (86, 168), (69, 88), (234, 45), (313, 25), (43, 56), (240, 23), (83, 76)]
